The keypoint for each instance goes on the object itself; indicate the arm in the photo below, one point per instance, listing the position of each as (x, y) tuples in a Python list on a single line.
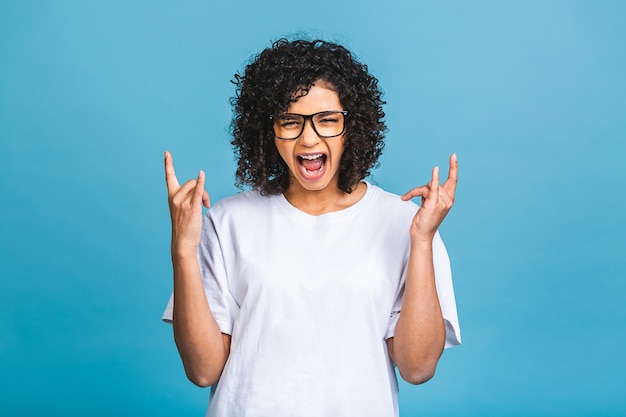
[(201, 345), (420, 333)]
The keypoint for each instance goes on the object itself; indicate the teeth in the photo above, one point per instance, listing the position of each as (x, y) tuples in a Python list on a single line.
[(311, 157)]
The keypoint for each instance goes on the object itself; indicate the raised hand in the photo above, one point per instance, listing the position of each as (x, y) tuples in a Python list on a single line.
[(185, 207), (437, 200)]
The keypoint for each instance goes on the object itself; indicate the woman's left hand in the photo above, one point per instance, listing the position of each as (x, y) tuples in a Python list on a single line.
[(437, 200)]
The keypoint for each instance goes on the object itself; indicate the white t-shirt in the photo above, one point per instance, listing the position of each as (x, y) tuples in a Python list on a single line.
[(309, 302)]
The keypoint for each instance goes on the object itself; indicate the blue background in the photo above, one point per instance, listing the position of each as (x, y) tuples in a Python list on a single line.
[(530, 94)]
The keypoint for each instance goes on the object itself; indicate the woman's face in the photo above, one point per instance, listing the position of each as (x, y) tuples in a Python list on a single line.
[(313, 161)]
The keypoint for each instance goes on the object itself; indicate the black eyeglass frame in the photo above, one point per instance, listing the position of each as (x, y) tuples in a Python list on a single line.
[(309, 117)]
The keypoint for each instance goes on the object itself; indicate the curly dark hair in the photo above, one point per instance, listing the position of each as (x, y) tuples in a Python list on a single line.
[(279, 76)]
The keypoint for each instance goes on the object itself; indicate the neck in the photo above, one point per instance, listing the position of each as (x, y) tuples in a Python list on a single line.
[(318, 202)]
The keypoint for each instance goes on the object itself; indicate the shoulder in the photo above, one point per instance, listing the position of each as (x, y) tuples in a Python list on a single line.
[(243, 204), (386, 212), (391, 203)]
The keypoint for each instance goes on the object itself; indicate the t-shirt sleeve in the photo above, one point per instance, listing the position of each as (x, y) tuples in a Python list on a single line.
[(445, 292), (214, 278)]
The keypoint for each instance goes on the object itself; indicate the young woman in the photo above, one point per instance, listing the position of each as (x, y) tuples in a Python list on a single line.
[(301, 296)]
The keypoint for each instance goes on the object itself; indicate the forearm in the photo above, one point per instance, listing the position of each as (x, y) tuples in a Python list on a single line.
[(420, 332), (201, 345)]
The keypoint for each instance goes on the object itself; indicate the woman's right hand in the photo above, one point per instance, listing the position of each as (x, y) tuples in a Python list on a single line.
[(185, 208)]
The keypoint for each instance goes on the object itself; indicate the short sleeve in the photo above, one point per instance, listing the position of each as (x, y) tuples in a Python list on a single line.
[(214, 278), (445, 292)]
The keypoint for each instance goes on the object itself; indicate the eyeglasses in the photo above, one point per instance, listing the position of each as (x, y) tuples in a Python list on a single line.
[(326, 124)]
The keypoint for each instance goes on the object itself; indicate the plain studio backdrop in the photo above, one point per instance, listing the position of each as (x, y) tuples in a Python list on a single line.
[(530, 94)]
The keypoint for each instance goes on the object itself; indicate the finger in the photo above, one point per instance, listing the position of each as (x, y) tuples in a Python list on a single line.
[(170, 174), (434, 186), (185, 192), (205, 199), (416, 192), (445, 198), (198, 192), (453, 176)]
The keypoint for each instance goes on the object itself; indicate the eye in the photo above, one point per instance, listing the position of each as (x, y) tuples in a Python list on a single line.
[(328, 118), (289, 122)]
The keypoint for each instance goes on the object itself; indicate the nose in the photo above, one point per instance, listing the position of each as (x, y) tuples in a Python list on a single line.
[(309, 137)]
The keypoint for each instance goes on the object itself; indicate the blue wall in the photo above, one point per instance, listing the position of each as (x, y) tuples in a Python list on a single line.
[(530, 94)]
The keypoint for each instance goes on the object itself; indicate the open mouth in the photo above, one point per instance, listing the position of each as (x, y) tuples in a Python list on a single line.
[(312, 164)]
